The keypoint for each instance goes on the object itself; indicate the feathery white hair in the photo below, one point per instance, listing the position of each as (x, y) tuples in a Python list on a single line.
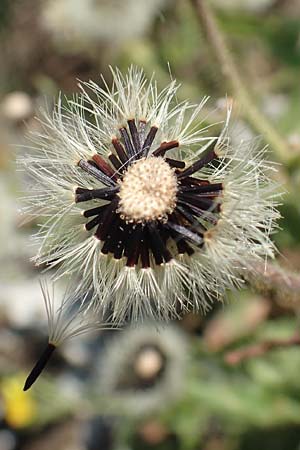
[(218, 225)]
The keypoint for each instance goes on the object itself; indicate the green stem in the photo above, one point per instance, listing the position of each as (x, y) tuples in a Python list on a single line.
[(228, 67)]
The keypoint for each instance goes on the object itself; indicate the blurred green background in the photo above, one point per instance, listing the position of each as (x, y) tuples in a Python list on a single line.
[(139, 390)]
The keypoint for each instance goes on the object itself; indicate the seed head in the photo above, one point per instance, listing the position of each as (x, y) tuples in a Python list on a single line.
[(142, 369), (147, 191), (163, 217)]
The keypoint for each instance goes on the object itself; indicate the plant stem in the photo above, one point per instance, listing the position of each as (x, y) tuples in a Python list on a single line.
[(252, 351), (276, 283), (218, 44)]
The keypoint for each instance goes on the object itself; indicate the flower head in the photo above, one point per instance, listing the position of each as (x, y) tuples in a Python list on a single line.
[(19, 410), (148, 210), (142, 369)]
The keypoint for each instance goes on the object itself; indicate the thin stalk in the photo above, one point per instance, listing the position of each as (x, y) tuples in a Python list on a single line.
[(253, 351), (217, 42)]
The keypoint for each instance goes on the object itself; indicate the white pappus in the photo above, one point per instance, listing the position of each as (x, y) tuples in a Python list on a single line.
[(152, 214)]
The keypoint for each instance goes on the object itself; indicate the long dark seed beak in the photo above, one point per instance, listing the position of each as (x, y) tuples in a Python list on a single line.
[(39, 367)]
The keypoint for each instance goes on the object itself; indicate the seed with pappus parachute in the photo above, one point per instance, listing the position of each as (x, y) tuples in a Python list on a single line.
[(66, 320), (154, 215)]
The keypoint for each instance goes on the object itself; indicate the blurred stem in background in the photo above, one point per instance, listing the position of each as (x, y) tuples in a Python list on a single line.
[(276, 283), (218, 45), (253, 351)]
